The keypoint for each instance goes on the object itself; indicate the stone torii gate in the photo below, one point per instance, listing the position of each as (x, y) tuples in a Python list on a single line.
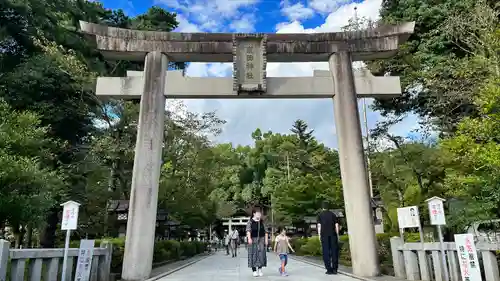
[(249, 54)]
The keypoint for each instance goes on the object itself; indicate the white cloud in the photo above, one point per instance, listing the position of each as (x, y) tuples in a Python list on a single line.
[(337, 19), (199, 69), (327, 6), (297, 11), (245, 23), (292, 27), (211, 15), (185, 25)]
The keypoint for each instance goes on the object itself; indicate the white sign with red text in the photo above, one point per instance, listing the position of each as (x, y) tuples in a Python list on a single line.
[(70, 215), (467, 257), (436, 211)]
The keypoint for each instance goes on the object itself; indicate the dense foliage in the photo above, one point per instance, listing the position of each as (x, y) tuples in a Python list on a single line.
[(164, 251), (450, 70), (59, 142)]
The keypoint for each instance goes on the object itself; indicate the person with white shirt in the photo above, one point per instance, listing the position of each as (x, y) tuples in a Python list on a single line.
[(233, 242)]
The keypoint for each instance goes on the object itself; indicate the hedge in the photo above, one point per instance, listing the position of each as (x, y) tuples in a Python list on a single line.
[(164, 251), (312, 247)]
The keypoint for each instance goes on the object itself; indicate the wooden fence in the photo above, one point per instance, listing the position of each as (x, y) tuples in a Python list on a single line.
[(422, 261), (46, 264)]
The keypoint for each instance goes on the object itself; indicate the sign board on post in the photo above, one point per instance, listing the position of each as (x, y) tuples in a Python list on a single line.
[(408, 217), (436, 211), (70, 215), (438, 218), (467, 255), (84, 262), (69, 222)]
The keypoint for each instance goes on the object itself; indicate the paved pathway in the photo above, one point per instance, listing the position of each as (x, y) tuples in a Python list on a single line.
[(220, 267)]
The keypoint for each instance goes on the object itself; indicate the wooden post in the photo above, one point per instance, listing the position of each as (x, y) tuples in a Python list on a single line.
[(4, 258), (398, 260), (411, 265), (490, 266), (438, 266), (105, 262), (453, 265), (424, 265)]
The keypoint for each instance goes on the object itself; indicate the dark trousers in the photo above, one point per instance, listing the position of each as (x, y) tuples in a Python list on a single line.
[(330, 247)]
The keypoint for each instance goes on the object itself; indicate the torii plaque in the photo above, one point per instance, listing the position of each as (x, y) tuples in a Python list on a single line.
[(249, 65)]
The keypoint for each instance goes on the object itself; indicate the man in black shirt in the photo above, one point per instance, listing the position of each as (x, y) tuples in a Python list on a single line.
[(328, 230)]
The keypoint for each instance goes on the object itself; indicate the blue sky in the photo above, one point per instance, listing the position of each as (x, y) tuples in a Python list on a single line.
[(273, 16)]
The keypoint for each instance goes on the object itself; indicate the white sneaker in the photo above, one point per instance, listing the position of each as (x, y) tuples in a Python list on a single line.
[(260, 273), (255, 274)]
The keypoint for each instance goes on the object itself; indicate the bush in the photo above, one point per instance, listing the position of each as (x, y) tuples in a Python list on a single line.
[(118, 251), (164, 250), (383, 251), (188, 249), (411, 237), (297, 244), (312, 247)]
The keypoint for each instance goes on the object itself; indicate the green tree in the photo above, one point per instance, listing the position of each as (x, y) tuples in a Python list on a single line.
[(27, 186), (292, 173), (48, 67), (437, 84), (474, 149), (407, 174), (186, 180)]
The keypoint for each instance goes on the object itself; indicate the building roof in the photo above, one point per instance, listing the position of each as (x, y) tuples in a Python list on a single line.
[(122, 206), (118, 205)]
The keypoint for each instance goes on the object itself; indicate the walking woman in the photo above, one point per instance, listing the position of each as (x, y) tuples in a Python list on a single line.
[(257, 237)]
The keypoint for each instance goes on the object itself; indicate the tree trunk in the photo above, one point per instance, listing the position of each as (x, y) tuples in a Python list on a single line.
[(16, 231), (17, 243), (400, 198), (29, 237), (48, 236), (20, 238), (2, 229), (111, 188)]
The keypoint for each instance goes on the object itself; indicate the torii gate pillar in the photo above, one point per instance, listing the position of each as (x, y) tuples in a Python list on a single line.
[(353, 168), (139, 242)]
